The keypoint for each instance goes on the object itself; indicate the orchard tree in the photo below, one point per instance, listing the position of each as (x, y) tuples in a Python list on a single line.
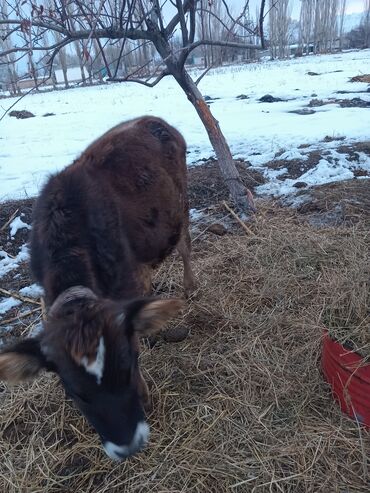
[(8, 69), (365, 24), (321, 24), (279, 22), (169, 26)]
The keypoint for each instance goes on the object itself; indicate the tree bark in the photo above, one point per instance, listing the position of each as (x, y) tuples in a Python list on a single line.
[(260, 25), (241, 196), (32, 71), (80, 62), (65, 76), (12, 77)]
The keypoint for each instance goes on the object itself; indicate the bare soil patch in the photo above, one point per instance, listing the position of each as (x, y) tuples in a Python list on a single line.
[(361, 78), (345, 203), (354, 150), (23, 114), (343, 103), (295, 167), (7, 210), (206, 186)]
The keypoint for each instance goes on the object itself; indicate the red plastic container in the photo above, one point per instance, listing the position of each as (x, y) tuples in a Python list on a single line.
[(349, 378)]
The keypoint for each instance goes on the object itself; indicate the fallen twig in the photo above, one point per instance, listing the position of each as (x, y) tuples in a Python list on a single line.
[(237, 218), (20, 297), (9, 254), (21, 315), (4, 226), (43, 309)]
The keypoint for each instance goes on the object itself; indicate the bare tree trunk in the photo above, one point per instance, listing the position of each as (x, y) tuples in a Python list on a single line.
[(87, 61), (13, 79), (63, 64), (366, 24), (203, 35), (99, 63), (325, 25), (316, 42), (80, 61), (77, 46), (65, 76), (239, 193), (62, 59), (279, 21), (272, 27), (10, 58), (261, 16), (32, 70)]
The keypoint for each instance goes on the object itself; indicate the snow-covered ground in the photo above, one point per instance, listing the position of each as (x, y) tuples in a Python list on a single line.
[(31, 149), (8, 263)]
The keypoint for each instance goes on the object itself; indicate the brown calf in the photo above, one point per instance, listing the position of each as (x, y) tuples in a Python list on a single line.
[(99, 228)]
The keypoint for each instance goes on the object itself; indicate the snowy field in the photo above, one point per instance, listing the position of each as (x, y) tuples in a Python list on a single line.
[(257, 132)]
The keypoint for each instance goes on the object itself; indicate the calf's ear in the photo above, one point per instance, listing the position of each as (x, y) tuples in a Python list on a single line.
[(22, 361), (148, 316)]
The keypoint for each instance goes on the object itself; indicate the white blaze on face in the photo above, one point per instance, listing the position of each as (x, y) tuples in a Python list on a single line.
[(96, 367), (119, 452)]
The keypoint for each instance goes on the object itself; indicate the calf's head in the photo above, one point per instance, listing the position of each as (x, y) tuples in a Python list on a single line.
[(93, 345)]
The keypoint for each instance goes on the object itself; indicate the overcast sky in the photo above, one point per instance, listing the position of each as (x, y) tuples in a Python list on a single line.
[(353, 6)]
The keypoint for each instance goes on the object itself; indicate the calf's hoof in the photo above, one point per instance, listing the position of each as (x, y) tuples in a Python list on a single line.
[(192, 293)]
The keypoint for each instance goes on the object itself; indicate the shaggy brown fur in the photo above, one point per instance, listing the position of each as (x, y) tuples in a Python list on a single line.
[(99, 228), (120, 207)]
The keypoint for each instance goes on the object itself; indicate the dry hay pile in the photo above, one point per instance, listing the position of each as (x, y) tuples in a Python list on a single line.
[(240, 405)]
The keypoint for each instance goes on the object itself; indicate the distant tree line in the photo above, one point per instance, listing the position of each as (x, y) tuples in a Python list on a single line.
[(320, 29), (97, 59), (360, 36)]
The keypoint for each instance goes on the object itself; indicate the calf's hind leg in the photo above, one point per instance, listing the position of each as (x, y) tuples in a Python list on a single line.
[(184, 249)]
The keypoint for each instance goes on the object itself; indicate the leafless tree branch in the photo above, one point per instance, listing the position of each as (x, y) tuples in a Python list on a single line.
[(142, 26), (129, 78), (229, 44), (204, 73)]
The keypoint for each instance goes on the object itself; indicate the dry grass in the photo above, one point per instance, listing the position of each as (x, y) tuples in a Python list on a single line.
[(346, 202), (240, 405), (361, 78)]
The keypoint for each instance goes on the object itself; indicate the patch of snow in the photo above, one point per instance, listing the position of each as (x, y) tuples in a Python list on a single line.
[(7, 304), (32, 291), (259, 159), (33, 149), (363, 161), (195, 214), (273, 174), (293, 154), (16, 225), (323, 172), (8, 263), (35, 330)]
